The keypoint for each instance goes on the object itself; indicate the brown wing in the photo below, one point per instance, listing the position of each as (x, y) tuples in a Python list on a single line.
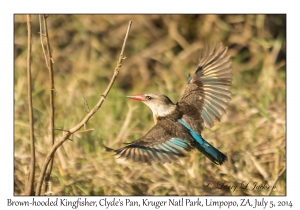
[(163, 143), (209, 88)]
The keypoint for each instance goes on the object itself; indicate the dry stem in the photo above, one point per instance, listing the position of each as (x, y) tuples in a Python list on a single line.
[(30, 186), (49, 64), (66, 136)]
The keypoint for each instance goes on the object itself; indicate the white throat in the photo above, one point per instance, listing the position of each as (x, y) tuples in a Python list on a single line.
[(161, 110)]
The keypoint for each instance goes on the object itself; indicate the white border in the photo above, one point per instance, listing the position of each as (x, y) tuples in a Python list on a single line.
[(153, 6)]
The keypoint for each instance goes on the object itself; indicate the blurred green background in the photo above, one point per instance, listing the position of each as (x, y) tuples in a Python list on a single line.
[(161, 50)]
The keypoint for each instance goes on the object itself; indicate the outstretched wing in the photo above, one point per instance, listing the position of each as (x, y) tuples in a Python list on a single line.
[(158, 145), (209, 88)]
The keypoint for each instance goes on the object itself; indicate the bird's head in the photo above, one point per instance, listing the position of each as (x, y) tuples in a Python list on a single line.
[(160, 104)]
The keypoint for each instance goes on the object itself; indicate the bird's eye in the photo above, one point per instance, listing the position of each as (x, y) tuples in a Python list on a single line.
[(148, 97)]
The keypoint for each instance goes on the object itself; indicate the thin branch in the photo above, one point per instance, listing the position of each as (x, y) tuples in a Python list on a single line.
[(60, 129), (29, 189), (66, 136), (49, 63), (41, 38)]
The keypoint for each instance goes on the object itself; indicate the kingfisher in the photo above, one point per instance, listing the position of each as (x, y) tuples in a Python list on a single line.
[(178, 126)]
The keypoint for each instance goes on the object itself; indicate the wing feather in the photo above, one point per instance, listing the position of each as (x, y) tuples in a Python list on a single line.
[(209, 88), (158, 145)]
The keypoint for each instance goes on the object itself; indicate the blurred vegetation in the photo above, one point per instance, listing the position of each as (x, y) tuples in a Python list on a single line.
[(161, 50)]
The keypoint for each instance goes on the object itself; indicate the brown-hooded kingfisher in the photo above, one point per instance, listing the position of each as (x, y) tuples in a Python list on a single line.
[(178, 126)]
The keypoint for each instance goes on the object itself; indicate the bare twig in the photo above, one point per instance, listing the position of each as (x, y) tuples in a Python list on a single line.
[(29, 189), (66, 136), (49, 63), (60, 129), (41, 38)]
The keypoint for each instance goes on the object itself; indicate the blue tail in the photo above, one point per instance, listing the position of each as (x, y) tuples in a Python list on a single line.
[(206, 148), (211, 152)]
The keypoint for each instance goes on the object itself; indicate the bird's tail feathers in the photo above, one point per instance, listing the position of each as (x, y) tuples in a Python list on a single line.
[(211, 152)]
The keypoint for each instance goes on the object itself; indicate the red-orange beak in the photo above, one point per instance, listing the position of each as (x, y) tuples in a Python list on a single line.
[(137, 97)]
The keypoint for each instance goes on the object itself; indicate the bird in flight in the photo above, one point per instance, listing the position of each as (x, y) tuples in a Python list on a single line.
[(178, 126)]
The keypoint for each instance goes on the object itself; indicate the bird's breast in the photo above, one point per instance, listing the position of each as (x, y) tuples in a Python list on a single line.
[(155, 116)]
